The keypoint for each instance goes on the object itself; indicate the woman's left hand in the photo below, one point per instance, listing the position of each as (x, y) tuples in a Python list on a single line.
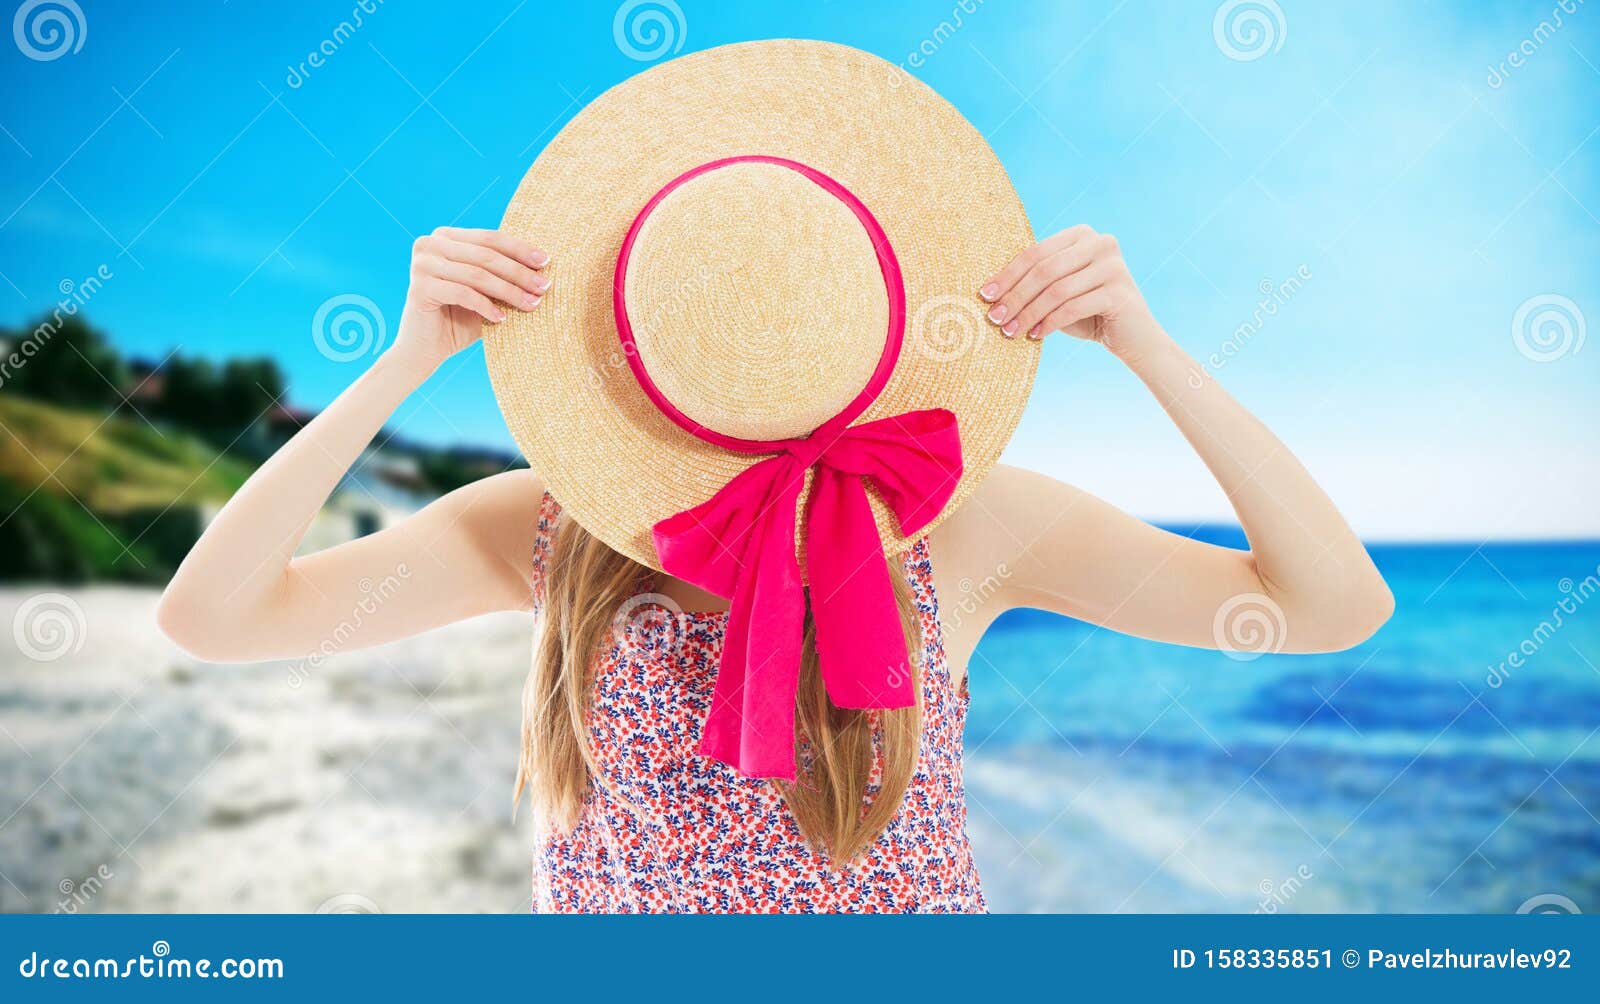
[(1074, 282)]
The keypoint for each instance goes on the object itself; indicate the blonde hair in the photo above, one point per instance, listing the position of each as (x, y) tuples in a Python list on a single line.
[(585, 584)]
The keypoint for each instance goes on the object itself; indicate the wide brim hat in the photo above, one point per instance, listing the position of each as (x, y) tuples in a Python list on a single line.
[(757, 300), (763, 364)]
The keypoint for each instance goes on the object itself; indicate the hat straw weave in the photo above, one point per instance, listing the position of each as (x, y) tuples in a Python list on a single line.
[(754, 295)]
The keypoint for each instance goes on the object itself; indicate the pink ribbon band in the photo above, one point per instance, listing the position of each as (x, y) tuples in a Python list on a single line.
[(740, 543), (893, 285)]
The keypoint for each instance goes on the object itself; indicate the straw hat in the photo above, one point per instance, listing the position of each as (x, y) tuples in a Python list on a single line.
[(759, 304)]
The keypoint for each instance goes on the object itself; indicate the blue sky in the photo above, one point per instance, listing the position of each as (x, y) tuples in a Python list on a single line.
[(1369, 151)]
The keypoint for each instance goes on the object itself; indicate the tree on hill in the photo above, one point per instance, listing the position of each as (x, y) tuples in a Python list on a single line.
[(219, 403), (69, 363)]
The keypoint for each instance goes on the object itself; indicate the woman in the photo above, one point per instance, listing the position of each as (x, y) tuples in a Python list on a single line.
[(243, 595), (799, 750)]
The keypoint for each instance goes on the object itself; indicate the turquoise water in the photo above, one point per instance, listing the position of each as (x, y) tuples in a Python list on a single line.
[(1419, 772)]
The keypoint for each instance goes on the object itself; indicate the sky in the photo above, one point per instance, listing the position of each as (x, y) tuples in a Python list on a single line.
[(1430, 204)]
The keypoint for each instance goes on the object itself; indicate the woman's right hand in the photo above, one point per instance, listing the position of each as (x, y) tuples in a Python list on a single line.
[(460, 278)]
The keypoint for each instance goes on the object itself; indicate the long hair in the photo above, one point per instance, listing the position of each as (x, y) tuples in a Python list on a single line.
[(585, 584)]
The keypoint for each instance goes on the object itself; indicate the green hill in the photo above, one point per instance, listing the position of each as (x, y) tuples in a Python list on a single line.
[(84, 496)]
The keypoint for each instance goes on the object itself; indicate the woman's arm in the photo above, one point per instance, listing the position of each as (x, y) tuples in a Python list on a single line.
[(1064, 550), (242, 595)]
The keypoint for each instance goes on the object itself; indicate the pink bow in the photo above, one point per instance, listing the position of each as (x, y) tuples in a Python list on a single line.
[(740, 544)]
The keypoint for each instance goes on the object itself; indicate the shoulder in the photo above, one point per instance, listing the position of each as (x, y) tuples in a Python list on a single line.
[(510, 498), (1010, 508), (1018, 527), (496, 520), (983, 548)]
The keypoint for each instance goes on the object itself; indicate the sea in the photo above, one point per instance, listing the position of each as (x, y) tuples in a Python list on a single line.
[(1449, 764)]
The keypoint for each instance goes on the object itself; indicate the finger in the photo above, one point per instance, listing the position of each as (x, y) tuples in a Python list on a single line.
[(1066, 288), (501, 241), (446, 293), (1090, 304), (494, 260), (1065, 262), (1001, 284), (486, 282)]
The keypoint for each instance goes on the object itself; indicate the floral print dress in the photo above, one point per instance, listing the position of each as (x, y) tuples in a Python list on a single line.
[(711, 840)]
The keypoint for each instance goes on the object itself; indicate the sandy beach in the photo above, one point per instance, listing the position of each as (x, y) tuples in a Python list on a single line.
[(137, 779)]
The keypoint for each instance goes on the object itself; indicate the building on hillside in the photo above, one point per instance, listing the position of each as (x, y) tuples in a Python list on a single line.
[(146, 382), (381, 489)]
